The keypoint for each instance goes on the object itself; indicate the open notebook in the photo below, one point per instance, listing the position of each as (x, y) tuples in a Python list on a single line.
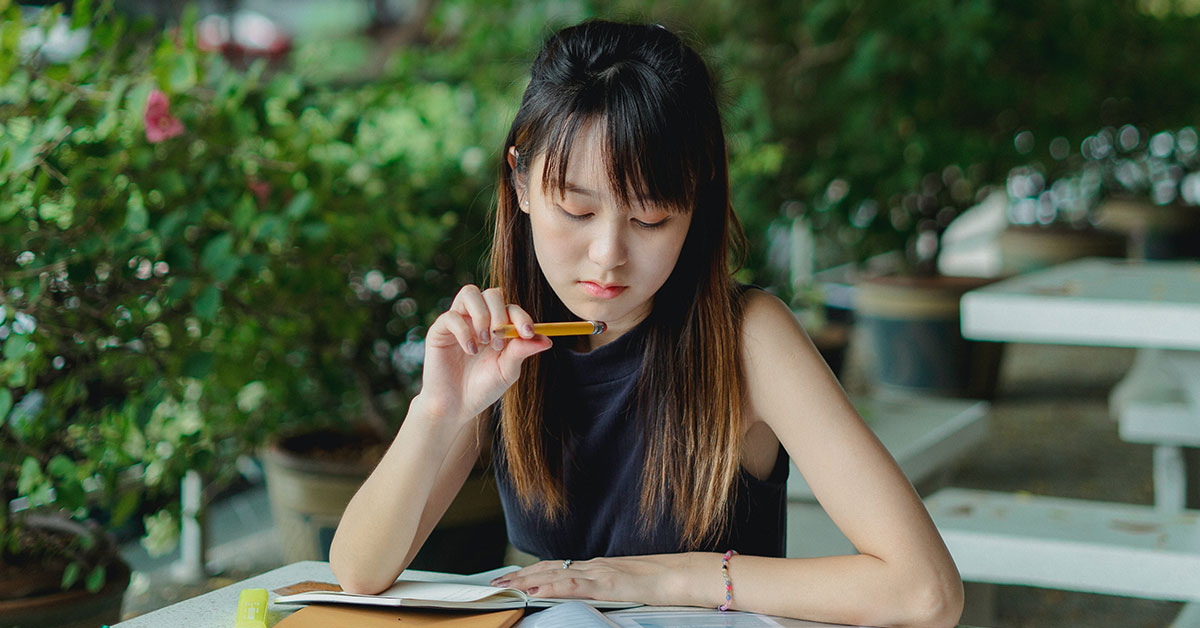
[(429, 589)]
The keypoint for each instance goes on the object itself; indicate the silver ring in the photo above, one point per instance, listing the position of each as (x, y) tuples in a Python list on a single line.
[(567, 563)]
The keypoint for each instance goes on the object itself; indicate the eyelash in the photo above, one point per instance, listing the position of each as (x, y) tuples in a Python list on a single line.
[(644, 225)]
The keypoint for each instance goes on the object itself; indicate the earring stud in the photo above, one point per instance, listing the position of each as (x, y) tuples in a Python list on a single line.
[(525, 203)]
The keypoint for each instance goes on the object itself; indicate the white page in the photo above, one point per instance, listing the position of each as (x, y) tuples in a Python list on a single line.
[(696, 619), (480, 579), (440, 591), (567, 615)]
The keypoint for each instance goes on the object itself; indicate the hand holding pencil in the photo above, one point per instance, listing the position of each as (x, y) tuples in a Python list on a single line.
[(474, 351)]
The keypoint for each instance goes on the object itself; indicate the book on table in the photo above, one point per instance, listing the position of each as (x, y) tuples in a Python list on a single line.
[(430, 589)]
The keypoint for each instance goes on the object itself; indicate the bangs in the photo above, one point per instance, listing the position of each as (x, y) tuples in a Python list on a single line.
[(646, 160)]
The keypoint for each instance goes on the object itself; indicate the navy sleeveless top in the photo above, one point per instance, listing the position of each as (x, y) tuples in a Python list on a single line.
[(593, 397)]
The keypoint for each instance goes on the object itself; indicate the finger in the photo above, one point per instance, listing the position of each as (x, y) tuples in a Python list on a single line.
[(524, 573), (549, 583), (521, 319), (499, 314), (516, 351), (470, 301), (462, 331)]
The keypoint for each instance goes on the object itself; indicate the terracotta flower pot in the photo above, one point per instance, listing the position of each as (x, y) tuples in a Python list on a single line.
[(75, 608), (308, 495)]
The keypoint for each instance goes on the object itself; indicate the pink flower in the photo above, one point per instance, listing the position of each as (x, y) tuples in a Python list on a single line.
[(261, 190), (160, 124)]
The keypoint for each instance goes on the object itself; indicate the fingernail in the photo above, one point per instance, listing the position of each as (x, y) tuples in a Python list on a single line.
[(485, 337), (528, 329), (500, 583), (471, 348), (498, 343), (532, 590)]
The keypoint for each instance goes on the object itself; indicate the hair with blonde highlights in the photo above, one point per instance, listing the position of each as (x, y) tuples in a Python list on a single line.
[(664, 144)]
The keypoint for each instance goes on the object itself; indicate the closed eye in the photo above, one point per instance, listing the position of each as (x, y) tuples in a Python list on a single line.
[(650, 225), (572, 216)]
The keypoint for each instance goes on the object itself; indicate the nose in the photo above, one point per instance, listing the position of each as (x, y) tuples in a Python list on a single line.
[(608, 248)]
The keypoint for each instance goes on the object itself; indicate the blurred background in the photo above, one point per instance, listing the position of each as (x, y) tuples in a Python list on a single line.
[(225, 225)]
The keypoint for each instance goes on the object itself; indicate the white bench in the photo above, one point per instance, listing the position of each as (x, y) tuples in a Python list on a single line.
[(1154, 405), (1079, 545), (925, 435)]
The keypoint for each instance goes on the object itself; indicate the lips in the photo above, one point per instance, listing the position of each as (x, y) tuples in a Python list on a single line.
[(601, 291)]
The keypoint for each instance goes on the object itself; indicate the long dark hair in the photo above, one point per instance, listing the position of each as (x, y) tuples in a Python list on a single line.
[(664, 143)]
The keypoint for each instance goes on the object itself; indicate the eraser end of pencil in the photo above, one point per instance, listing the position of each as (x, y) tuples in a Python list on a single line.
[(600, 327)]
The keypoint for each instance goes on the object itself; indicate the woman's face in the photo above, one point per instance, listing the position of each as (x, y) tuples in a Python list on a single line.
[(604, 260)]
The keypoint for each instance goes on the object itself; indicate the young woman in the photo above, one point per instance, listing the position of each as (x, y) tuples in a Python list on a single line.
[(646, 463)]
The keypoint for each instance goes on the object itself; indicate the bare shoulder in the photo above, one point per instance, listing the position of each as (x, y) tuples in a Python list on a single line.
[(767, 320), (785, 375)]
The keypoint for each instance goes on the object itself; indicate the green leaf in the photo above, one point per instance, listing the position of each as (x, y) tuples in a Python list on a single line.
[(127, 504), (183, 73), (270, 228), (81, 14), (136, 218), (244, 213), (299, 206), (162, 533), (314, 231), (95, 579), (31, 476), (61, 467), (70, 575), (5, 403), (208, 303), (169, 225), (16, 347), (217, 253), (19, 377), (198, 365), (177, 289)]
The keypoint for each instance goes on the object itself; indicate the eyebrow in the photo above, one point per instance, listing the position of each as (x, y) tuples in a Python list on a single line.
[(579, 189)]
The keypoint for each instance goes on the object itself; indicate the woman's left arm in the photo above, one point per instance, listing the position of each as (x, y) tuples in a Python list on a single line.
[(902, 575)]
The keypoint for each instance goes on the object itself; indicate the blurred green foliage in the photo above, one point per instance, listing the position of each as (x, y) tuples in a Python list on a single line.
[(169, 305), (877, 121)]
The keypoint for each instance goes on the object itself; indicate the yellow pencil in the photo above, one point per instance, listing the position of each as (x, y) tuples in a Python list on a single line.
[(574, 328)]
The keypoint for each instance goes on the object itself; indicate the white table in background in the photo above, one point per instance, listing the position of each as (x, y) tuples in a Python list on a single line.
[(1153, 306)]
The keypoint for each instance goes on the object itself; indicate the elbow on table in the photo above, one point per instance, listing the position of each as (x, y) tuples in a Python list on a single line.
[(356, 582), (937, 604), (354, 579)]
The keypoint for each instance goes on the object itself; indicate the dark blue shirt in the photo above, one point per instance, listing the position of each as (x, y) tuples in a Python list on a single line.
[(593, 397)]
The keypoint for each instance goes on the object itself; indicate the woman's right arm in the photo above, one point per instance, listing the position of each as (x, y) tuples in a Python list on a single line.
[(465, 371)]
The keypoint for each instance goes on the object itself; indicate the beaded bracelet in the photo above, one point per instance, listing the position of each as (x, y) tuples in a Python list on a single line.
[(728, 583)]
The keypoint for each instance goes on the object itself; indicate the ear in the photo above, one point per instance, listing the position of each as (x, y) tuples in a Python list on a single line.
[(520, 178)]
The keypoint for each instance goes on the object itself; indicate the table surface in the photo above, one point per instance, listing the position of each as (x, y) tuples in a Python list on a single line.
[(1099, 302), (215, 609)]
